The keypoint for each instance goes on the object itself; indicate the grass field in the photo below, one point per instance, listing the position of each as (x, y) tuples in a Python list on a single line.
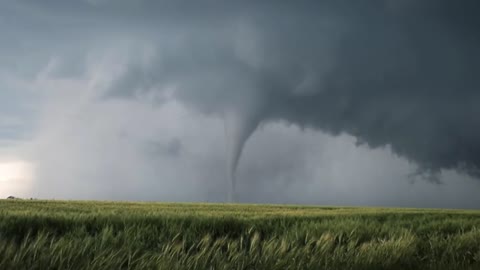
[(117, 235)]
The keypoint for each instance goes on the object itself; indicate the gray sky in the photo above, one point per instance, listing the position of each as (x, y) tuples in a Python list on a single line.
[(324, 102)]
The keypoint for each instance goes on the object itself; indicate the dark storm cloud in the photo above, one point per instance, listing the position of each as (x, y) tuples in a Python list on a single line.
[(397, 73)]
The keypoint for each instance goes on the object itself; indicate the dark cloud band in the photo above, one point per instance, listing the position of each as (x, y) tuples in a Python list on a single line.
[(397, 73)]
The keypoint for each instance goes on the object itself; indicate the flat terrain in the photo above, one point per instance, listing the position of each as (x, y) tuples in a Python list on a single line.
[(118, 235)]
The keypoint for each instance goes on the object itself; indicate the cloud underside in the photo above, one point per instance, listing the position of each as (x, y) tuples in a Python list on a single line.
[(144, 90), (401, 75)]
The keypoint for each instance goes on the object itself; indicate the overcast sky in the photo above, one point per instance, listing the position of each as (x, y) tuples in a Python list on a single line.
[(342, 102)]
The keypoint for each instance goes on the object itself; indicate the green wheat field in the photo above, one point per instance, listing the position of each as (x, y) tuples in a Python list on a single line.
[(122, 235)]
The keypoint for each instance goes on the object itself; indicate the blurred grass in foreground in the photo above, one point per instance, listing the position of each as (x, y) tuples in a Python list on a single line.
[(121, 235)]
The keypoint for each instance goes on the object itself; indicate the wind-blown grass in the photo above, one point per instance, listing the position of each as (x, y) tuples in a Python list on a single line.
[(118, 235)]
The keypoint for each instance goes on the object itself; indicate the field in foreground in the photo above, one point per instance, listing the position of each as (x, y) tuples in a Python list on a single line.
[(116, 235)]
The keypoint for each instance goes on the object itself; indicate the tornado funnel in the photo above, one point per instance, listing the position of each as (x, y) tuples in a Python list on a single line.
[(239, 126)]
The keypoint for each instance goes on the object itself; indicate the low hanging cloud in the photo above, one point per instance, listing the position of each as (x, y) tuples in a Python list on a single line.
[(396, 73), (135, 98)]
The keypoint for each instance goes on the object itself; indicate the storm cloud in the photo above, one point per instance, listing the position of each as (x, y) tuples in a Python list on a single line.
[(154, 86), (397, 73)]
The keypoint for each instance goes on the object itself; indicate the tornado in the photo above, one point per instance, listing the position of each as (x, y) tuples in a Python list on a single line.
[(239, 126)]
